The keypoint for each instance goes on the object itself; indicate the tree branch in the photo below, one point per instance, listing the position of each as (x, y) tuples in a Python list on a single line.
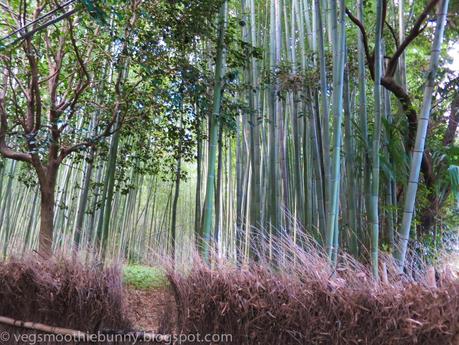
[(80, 336), (394, 35), (415, 31), (405, 100), (4, 149), (370, 56), (66, 151), (84, 82)]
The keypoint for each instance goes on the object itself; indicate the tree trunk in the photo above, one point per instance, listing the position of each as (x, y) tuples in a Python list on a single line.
[(453, 122), (47, 189)]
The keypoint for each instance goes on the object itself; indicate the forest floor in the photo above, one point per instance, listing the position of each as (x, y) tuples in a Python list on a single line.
[(149, 302), (149, 310)]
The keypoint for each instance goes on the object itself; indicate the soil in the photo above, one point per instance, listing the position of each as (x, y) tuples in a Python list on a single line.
[(151, 310)]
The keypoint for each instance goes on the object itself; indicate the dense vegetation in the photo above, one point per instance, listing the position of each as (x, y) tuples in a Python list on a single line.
[(132, 128)]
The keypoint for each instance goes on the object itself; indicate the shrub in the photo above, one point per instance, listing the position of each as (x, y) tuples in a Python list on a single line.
[(62, 293), (299, 300)]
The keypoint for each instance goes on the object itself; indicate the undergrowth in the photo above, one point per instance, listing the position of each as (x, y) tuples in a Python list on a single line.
[(296, 298), (62, 293), (144, 277)]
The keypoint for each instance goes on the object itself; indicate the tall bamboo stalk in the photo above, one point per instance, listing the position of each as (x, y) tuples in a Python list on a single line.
[(213, 139), (374, 205), (421, 133), (338, 81)]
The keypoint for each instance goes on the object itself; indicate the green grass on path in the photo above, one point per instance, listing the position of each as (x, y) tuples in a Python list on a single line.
[(144, 277)]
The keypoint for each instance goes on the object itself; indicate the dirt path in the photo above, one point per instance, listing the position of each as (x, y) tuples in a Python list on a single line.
[(151, 310)]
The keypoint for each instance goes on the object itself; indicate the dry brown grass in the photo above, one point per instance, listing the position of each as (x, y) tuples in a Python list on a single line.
[(62, 293), (300, 300)]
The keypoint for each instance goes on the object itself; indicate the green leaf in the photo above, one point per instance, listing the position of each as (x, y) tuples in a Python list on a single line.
[(454, 178), (95, 11)]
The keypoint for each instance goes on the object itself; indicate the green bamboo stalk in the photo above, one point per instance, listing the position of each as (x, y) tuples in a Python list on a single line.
[(350, 168), (31, 222), (274, 209), (178, 178), (88, 167), (332, 221), (218, 190), (5, 218), (108, 189), (199, 153), (318, 168), (325, 129), (299, 189), (255, 194), (421, 133), (391, 202), (374, 205), (213, 137), (365, 209)]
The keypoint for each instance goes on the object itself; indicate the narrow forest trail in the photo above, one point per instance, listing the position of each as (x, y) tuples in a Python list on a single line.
[(150, 310)]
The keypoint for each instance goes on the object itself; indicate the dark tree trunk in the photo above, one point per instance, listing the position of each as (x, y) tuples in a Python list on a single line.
[(453, 122), (47, 192), (46, 223), (174, 209), (198, 210)]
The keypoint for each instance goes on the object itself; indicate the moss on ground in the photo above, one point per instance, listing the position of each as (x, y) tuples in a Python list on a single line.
[(144, 277)]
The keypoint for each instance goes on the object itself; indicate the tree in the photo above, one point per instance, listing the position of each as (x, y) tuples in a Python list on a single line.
[(43, 83)]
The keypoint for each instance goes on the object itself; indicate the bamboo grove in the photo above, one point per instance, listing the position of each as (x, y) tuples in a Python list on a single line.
[(153, 127)]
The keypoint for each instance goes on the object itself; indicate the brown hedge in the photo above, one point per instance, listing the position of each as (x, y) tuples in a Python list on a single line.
[(63, 293), (299, 300)]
